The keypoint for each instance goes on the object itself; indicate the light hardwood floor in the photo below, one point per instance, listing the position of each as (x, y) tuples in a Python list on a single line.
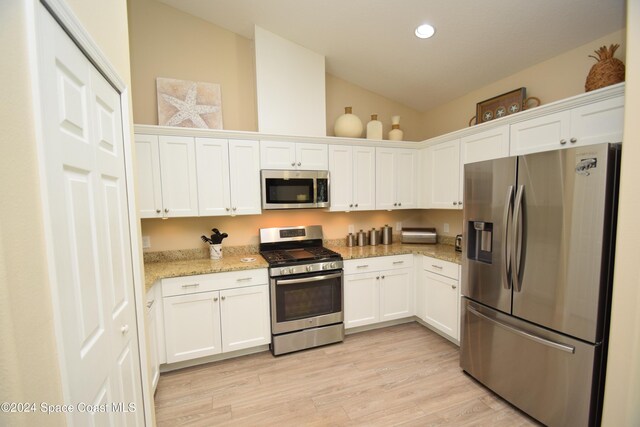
[(400, 375)]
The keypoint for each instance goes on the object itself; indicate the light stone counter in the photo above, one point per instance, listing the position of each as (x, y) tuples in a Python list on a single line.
[(154, 271)]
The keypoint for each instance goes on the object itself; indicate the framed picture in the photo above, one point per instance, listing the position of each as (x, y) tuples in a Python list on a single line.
[(501, 105)]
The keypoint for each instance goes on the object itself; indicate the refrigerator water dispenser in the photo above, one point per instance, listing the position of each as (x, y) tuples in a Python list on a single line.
[(480, 245)]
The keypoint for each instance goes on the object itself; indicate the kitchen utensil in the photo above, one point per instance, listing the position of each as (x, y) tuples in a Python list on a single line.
[(362, 238), (387, 234), (206, 239), (351, 240), (374, 237)]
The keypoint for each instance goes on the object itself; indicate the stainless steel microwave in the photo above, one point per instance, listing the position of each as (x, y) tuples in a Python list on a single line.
[(294, 189)]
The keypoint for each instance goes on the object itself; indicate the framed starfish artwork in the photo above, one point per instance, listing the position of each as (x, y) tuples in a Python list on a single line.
[(184, 103)]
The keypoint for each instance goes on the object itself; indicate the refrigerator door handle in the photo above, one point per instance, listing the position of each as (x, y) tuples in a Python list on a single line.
[(527, 335), (506, 250), (516, 240)]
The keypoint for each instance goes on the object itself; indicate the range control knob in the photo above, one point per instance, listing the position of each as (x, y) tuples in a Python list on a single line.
[(285, 271), (309, 268), (333, 265)]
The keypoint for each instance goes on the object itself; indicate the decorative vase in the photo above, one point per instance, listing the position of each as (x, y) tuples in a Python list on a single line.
[(348, 125), (374, 128), (606, 71), (395, 134)]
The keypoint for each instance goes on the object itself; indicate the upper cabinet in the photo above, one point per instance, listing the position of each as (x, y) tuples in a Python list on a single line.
[(396, 178), (166, 176), (442, 183), (489, 144), (293, 155), (584, 125), (228, 176), (352, 172)]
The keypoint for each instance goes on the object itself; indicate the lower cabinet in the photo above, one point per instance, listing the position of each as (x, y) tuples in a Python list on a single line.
[(438, 296), (382, 291), (199, 321), (151, 316)]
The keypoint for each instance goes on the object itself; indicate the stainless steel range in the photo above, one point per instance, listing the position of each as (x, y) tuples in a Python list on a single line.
[(306, 285)]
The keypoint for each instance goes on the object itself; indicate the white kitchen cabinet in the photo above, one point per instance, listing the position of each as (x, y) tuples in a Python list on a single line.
[(293, 155), (244, 314), (352, 171), (377, 290), (591, 123), (166, 174), (486, 145), (361, 299), (443, 182), (228, 177), (209, 314), (151, 319), (192, 326), (396, 176), (438, 296)]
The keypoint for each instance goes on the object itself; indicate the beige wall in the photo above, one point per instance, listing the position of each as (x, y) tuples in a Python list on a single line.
[(184, 233), (557, 78), (166, 42), (29, 370), (341, 93), (622, 392)]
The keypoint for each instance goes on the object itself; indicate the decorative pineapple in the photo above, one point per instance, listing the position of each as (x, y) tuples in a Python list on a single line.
[(607, 71)]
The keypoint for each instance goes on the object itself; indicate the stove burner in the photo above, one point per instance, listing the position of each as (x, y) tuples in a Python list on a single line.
[(312, 253)]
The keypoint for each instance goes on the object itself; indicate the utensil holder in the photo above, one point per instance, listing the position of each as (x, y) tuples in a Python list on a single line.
[(215, 251)]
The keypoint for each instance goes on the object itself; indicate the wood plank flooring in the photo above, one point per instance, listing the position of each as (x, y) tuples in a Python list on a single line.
[(401, 375)]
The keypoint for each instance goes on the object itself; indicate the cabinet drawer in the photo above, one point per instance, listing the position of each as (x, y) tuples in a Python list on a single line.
[(213, 282), (444, 268), (365, 265)]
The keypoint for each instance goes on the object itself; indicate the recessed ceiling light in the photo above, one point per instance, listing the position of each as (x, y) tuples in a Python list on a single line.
[(425, 31)]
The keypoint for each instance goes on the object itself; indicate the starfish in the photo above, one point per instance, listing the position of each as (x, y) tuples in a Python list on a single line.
[(188, 109)]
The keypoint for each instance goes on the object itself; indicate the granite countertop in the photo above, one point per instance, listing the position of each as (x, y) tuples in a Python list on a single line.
[(154, 271)]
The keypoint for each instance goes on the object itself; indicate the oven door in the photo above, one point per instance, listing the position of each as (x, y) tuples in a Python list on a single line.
[(306, 301)]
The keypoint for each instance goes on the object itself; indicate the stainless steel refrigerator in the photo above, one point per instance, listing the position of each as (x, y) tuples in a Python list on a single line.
[(538, 242)]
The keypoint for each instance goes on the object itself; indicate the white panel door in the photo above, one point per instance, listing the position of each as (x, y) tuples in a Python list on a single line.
[(444, 175), (312, 156), (179, 178), (84, 165), (486, 145), (541, 134), (396, 294), (148, 184), (364, 178), (192, 326), (277, 155), (212, 162), (244, 162), (406, 178), (597, 122), (361, 299), (385, 178), (244, 315), (341, 170), (442, 303)]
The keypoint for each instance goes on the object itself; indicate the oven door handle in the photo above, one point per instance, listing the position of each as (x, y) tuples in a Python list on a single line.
[(307, 279)]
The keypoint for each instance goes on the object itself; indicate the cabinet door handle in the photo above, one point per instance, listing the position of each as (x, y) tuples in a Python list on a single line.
[(158, 211), (356, 205), (563, 141), (363, 266), (150, 303), (398, 262), (223, 298), (351, 205), (299, 164), (382, 277), (395, 204), (166, 210), (573, 140), (234, 208), (192, 285), (293, 163), (455, 203), (377, 277), (460, 203), (453, 286), (215, 299), (124, 329), (243, 279), (399, 203), (439, 267), (228, 209)]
